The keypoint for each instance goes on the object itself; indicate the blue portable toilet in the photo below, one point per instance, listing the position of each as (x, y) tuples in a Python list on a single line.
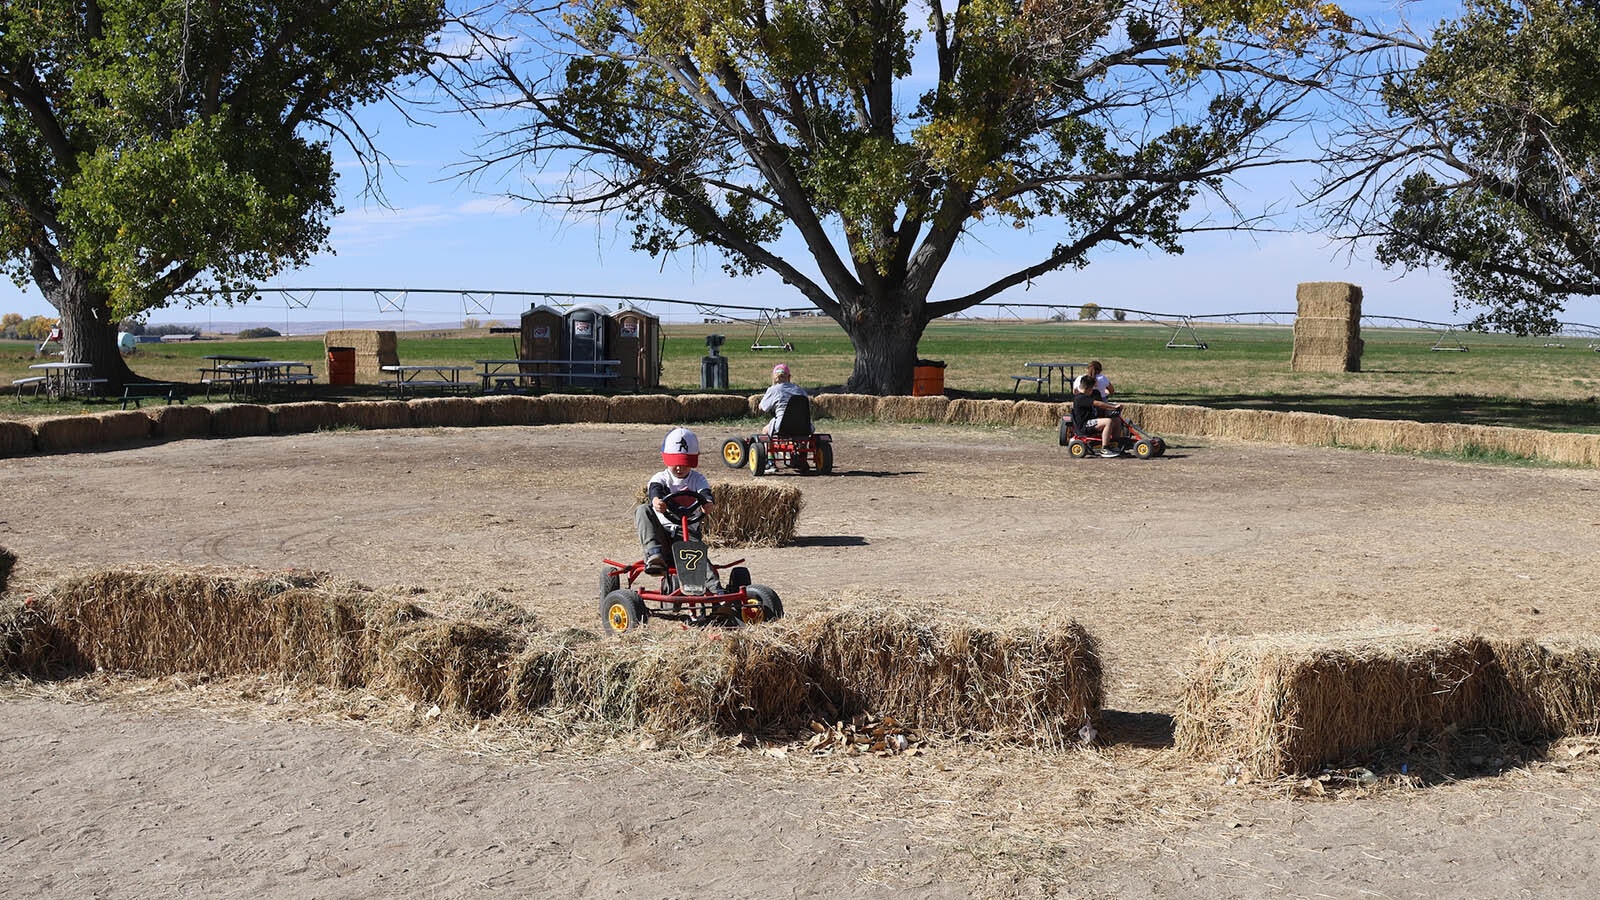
[(586, 343)]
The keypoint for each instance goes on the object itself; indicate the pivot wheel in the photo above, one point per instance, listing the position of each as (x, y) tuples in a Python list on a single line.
[(609, 581), (623, 611), (734, 451)]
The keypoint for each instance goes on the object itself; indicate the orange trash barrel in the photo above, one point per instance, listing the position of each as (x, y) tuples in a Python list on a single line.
[(341, 365), (927, 378)]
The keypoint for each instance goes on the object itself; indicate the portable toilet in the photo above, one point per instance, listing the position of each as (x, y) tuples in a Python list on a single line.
[(542, 332), (586, 342), (634, 337)]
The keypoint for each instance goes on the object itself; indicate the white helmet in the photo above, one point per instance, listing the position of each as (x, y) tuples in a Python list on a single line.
[(681, 448)]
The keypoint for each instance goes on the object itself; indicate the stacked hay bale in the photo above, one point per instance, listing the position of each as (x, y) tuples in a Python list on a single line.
[(710, 407), (445, 412), (64, 433), (240, 420), (981, 412), (912, 409), (1279, 705), (374, 350), (1327, 328), (645, 409), (171, 423), (310, 415)]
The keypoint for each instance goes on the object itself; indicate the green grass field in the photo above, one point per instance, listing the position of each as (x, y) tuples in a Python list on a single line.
[(1498, 380)]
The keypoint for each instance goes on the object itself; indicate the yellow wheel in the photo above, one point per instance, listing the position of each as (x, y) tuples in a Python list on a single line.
[(1077, 449), (623, 611), (734, 452)]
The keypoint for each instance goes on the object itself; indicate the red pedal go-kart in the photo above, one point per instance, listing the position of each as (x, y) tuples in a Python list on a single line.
[(692, 590), (1133, 440), (794, 446)]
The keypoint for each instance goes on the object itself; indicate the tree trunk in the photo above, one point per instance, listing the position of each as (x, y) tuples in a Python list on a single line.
[(88, 332), (885, 339)]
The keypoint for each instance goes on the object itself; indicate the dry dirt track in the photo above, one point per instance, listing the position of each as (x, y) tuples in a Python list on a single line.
[(1216, 537)]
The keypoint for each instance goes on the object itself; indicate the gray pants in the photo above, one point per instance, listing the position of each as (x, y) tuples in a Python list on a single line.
[(652, 535)]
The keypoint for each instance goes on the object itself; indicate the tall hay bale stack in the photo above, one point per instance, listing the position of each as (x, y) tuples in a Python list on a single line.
[(375, 414), (307, 416), (1327, 328), (445, 412), (1280, 705), (63, 433), (174, 423), (240, 420), (457, 665), (747, 514), (981, 412), (512, 409), (950, 674), (860, 407), (712, 407), (374, 350), (16, 439), (912, 409), (645, 409), (1037, 413), (573, 408), (1552, 686), (156, 621), (1166, 418)]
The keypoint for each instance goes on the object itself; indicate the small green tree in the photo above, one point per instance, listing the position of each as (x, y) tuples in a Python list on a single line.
[(1088, 312)]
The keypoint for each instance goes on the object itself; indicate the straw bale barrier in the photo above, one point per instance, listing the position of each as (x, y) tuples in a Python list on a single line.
[(172, 423), (1570, 449), (981, 412), (309, 415), (1037, 414), (374, 350), (645, 409), (63, 433), (445, 412), (16, 439), (951, 674), (747, 514), (912, 409), (512, 409), (155, 621), (753, 404), (26, 644), (712, 407), (564, 409), (375, 414), (457, 665), (1328, 299), (1552, 686), (1280, 705), (240, 420), (843, 406), (124, 427), (1165, 419), (8, 561)]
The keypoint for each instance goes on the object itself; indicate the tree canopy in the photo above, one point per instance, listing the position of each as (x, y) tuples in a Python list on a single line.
[(876, 134), (149, 145), (1488, 163)]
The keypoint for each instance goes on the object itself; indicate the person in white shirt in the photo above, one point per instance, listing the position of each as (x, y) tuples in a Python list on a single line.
[(776, 399)]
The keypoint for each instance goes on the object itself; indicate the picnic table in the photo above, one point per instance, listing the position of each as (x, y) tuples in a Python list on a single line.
[(250, 379), (62, 379), (215, 376), (414, 378), (1048, 372), (499, 375)]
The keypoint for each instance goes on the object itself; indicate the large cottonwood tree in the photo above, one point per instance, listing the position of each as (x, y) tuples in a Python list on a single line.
[(880, 133), (152, 145)]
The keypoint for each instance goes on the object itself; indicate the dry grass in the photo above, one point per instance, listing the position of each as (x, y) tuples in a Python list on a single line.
[(240, 420), (1552, 686), (645, 409), (753, 515)]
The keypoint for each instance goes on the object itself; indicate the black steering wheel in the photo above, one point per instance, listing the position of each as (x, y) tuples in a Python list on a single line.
[(685, 504)]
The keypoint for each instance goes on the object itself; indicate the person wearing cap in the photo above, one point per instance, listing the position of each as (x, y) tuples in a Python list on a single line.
[(680, 451), (776, 399)]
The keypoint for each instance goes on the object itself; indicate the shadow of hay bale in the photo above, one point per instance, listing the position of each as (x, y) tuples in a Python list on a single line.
[(171, 423), (16, 439)]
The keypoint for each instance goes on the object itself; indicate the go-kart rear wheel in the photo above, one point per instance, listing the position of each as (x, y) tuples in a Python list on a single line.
[(769, 603), (609, 581), (824, 457), (734, 451), (758, 459), (1064, 431), (1159, 445), (623, 611), (1144, 449), (1077, 449)]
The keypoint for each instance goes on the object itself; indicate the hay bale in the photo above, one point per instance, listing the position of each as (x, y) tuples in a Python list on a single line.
[(16, 439), (125, 427), (299, 418), (240, 420), (747, 514), (511, 409), (8, 561), (568, 408), (1331, 334), (950, 674), (912, 409), (1328, 299), (375, 414), (532, 675), (1386, 435), (1288, 704), (1569, 448), (646, 409), (753, 404), (712, 407), (445, 412), (1551, 687), (27, 642), (63, 433), (1307, 429), (1162, 418), (860, 407), (457, 665), (1037, 414), (374, 350), (160, 620), (172, 423), (981, 412)]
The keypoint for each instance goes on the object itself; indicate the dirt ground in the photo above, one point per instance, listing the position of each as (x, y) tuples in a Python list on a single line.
[(140, 789)]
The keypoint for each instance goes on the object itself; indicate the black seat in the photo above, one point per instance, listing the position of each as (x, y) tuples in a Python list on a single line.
[(796, 419)]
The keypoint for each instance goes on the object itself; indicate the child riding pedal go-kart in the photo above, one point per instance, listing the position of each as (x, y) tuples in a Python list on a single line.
[(792, 444)]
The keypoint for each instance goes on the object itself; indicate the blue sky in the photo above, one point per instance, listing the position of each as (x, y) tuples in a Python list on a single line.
[(441, 233)]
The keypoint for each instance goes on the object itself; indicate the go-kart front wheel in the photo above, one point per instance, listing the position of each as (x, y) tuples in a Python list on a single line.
[(1077, 449), (1144, 449), (734, 451), (1064, 431), (623, 611), (768, 606)]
